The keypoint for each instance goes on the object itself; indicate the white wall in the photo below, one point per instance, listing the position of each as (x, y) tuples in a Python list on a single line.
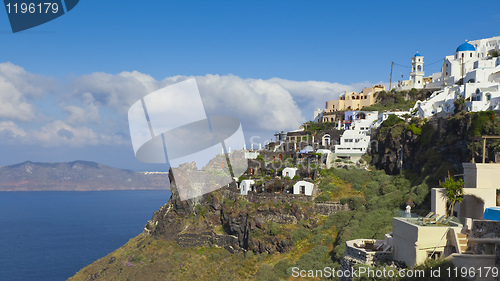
[(289, 172), (245, 186), (308, 186)]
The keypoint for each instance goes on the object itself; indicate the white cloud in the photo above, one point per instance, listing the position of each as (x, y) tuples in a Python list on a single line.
[(18, 88), (12, 130), (261, 104), (58, 133), (94, 101), (79, 115), (117, 91)]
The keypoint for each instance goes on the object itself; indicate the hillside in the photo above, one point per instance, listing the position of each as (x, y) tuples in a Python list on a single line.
[(262, 236), (225, 236), (75, 176)]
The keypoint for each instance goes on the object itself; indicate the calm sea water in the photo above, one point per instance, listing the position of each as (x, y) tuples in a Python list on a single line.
[(51, 235)]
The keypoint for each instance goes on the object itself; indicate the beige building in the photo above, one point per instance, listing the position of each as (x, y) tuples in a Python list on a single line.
[(353, 100), (472, 245), (414, 242), (480, 185)]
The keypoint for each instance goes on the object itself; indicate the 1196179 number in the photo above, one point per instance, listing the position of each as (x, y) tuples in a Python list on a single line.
[(32, 8)]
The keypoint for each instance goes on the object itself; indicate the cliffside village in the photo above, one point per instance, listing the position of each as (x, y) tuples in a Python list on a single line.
[(289, 165)]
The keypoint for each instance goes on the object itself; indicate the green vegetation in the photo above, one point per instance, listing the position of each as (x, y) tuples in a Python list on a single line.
[(391, 121), (415, 130), (317, 127), (454, 191), (481, 123)]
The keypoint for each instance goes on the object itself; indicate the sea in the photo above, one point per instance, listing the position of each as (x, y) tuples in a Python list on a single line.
[(51, 235)]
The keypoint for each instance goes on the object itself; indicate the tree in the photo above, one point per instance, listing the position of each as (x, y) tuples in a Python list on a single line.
[(454, 191)]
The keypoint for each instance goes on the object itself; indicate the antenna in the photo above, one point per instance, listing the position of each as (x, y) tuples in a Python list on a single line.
[(390, 80)]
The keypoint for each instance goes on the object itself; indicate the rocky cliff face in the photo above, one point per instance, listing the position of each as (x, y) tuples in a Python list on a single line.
[(435, 147), (237, 223)]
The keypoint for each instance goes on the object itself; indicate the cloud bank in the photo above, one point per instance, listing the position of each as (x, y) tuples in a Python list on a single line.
[(92, 109)]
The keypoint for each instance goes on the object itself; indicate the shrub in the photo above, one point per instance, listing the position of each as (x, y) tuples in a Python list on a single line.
[(479, 120), (391, 121), (266, 273), (300, 234), (215, 256), (415, 130), (324, 197), (316, 239), (281, 268), (354, 202), (274, 228)]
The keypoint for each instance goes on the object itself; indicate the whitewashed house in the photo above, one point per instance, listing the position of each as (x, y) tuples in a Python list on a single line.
[(245, 186), (289, 172), (352, 143), (471, 73), (303, 187)]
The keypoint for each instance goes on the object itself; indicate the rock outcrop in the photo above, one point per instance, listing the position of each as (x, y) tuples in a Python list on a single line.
[(224, 218)]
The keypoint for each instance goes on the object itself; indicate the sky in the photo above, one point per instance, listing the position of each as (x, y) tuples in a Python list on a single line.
[(66, 86)]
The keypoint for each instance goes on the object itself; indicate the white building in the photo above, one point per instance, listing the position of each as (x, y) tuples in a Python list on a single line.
[(485, 97), (355, 141), (245, 186), (318, 116), (468, 57), (473, 64), (289, 172), (352, 143), (416, 75), (364, 121), (303, 187)]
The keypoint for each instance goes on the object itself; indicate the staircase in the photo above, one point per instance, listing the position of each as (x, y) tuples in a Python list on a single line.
[(463, 244)]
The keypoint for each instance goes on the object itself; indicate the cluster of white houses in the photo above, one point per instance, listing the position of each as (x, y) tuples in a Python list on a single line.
[(472, 73)]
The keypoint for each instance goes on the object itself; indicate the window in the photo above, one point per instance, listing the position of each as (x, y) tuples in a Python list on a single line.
[(471, 55), (446, 73), (488, 96), (462, 55), (433, 255), (446, 65)]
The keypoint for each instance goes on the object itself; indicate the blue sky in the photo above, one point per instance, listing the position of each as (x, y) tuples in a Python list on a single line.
[(80, 72)]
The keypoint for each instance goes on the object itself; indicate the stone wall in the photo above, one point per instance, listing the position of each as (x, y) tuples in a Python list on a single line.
[(327, 209), (353, 256), (267, 197), (486, 229), (209, 239)]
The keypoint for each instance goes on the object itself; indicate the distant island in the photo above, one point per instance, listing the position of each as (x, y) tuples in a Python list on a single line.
[(77, 176)]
